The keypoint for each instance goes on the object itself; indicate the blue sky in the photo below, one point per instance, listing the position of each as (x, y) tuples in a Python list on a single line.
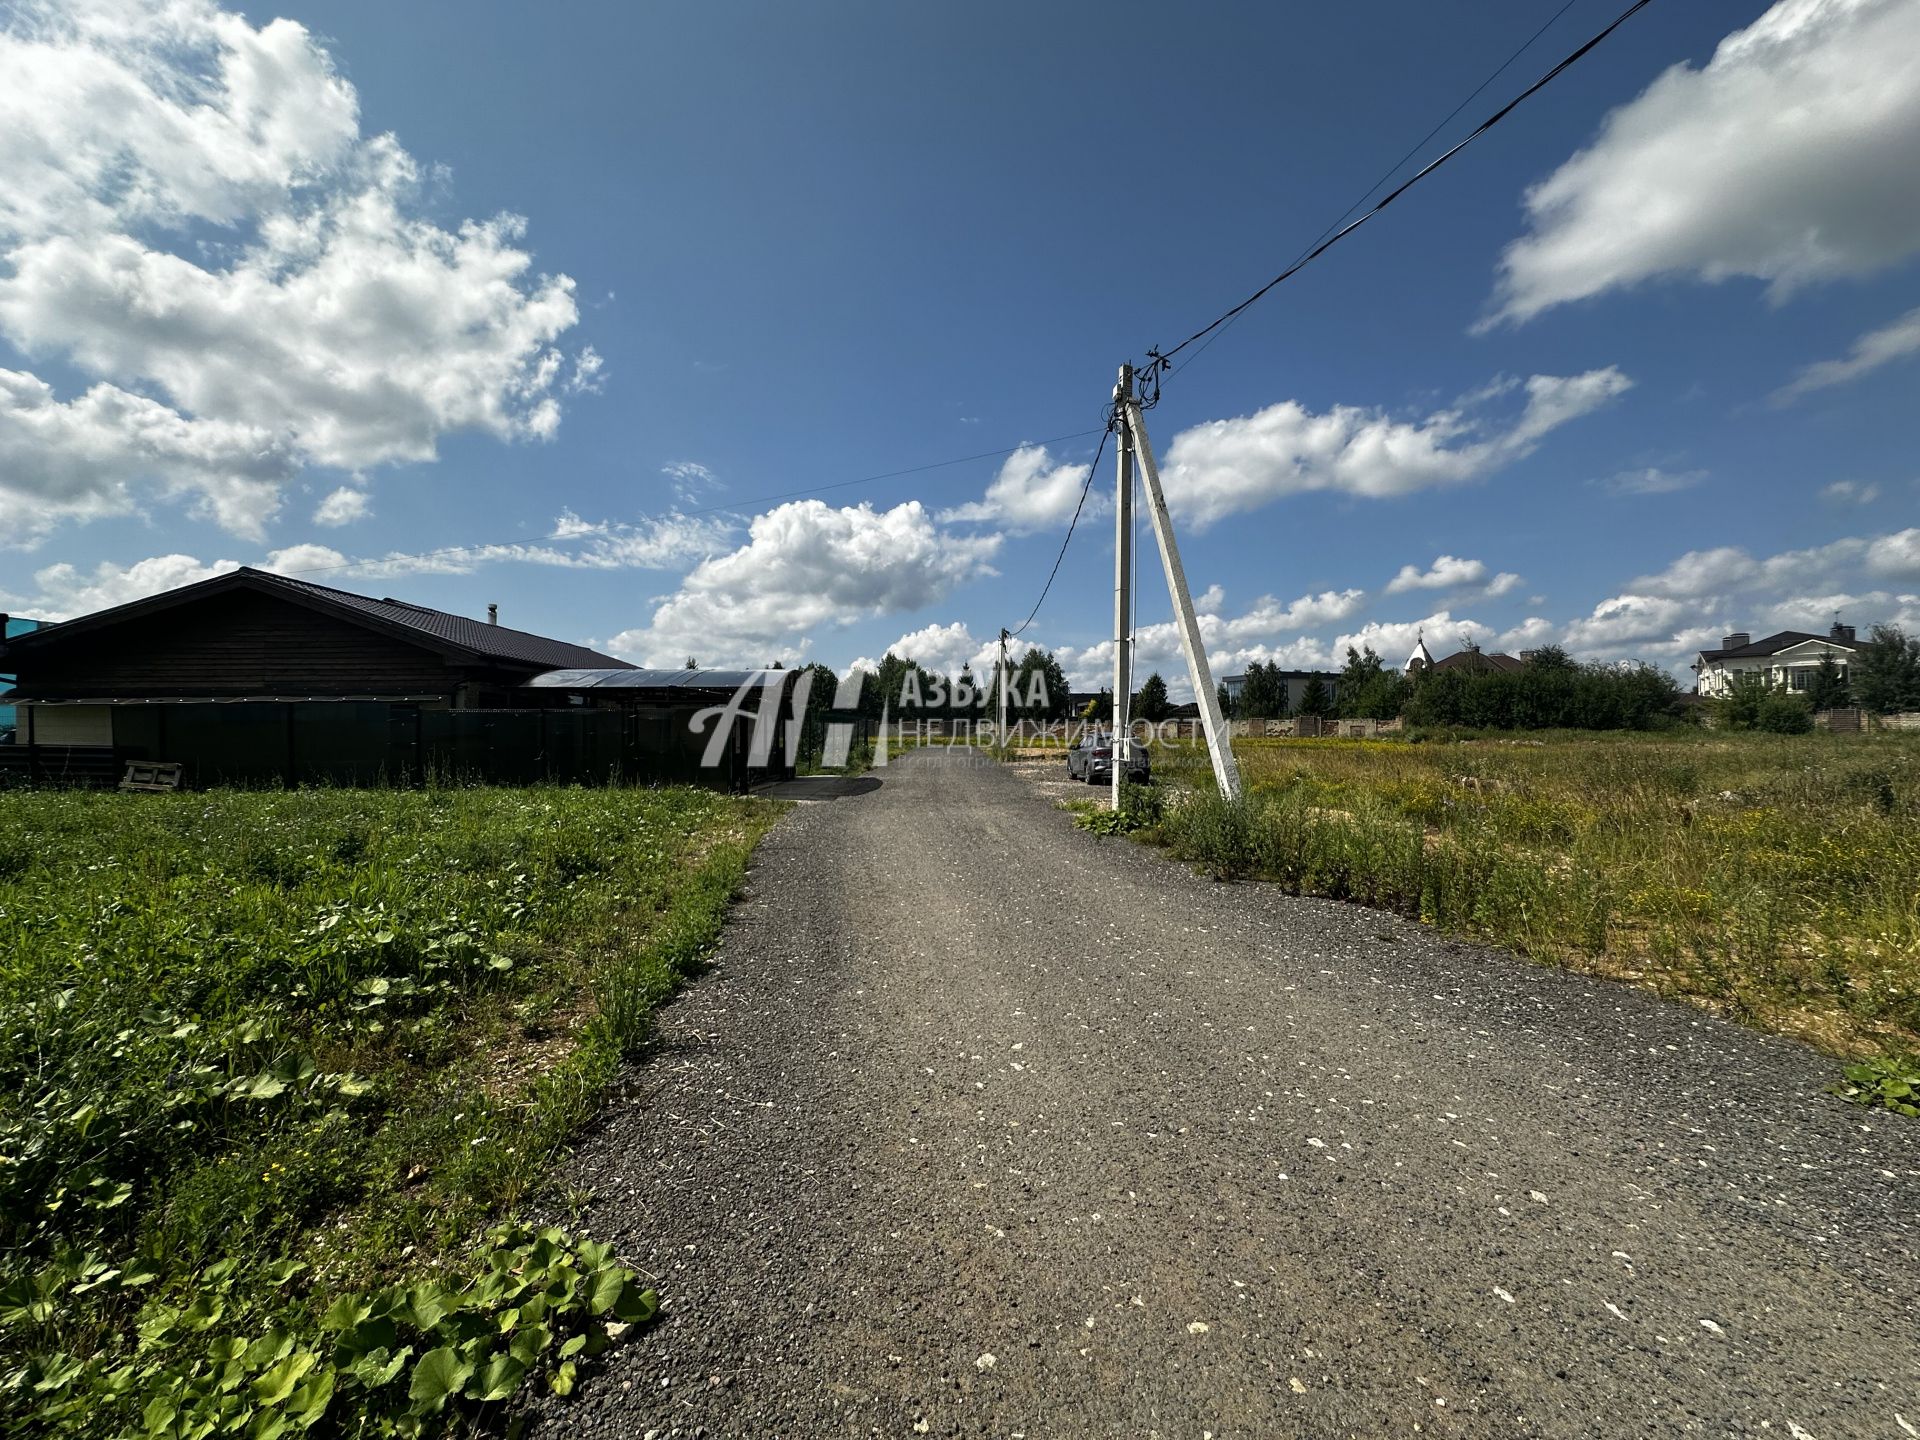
[(257, 306)]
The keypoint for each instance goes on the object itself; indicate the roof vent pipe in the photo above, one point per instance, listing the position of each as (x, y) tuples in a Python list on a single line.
[(493, 614)]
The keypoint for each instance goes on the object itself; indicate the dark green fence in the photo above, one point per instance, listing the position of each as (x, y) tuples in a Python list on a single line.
[(380, 743)]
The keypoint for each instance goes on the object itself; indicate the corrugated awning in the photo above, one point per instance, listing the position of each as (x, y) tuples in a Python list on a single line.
[(668, 683)]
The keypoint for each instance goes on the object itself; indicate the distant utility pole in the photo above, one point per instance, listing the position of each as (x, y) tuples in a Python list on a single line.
[(1001, 733), (1133, 440), (1122, 717)]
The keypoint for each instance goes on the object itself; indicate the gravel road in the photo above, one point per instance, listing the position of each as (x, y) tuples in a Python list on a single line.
[(984, 1126)]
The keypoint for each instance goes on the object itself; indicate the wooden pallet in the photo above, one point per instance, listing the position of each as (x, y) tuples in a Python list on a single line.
[(151, 776)]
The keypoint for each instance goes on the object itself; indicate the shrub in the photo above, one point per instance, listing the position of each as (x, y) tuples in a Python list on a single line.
[(1783, 714), (1211, 830)]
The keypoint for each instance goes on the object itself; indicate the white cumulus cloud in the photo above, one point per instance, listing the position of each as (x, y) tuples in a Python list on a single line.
[(1031, 492), (807, 568), (1448, 572), (1787, 158), (190, 217), (342, 507), (81, 459), (943, 649), (1224, 466)]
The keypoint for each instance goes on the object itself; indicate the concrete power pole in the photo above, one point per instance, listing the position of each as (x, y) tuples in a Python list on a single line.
[(1001, 733), (1122, 718), (1219, 744)]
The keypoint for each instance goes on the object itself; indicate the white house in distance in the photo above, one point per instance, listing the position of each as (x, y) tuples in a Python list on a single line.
[(1786, 661)]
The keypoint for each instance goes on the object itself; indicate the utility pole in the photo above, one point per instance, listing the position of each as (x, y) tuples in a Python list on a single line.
[(1001, 733), (1122, 718), (1133, 433)]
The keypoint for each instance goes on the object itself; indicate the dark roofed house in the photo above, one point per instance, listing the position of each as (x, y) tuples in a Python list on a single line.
[(1786, 660), (1473, 661), (252, 677)]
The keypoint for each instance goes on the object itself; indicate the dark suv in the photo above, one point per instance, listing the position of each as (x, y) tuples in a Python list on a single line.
[(1092, 760)]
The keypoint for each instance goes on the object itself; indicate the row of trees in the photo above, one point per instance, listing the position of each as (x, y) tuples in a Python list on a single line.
[(1550, 691), (906, 689)]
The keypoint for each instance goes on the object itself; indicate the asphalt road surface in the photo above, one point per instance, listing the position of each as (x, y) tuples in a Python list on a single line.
[(985, 1126)]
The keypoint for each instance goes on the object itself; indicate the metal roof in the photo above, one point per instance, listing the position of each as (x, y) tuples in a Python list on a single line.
[(435, 628), (499, 642), (728, 680), (1774, 644)]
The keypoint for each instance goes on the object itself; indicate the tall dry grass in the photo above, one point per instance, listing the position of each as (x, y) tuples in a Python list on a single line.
[(1772, 879)]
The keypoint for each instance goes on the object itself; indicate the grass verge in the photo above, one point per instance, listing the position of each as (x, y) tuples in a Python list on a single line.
[(1775, 880), (277, 1070)]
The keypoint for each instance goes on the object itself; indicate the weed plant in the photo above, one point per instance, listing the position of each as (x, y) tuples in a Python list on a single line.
[(264, 1052)]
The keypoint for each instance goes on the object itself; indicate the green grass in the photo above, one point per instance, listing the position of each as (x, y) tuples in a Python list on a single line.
[(262, 1051), (1773, 879)]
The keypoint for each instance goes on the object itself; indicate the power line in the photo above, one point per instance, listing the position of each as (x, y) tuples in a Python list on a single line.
[(1336, 232), (735, 505), (1159, 358), (1412, 150), (1086, 485)]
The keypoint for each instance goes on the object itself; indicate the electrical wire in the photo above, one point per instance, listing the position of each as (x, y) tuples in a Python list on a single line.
[(734, 505), (1087, 485), (1158, 359), (1412, 150)]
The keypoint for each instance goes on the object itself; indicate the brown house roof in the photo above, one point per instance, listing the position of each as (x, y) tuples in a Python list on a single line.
[(1477, 660), (437, 629)]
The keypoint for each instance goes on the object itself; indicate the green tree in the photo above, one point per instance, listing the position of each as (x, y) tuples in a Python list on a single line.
[(814, 718), (1828, 690), (1151, 702), (1314, 699), (1225, 698), (900, 688), (965, 695), (1039, 689), (1551, 659), (1886, 672), (1368, 689), (1263, 695)]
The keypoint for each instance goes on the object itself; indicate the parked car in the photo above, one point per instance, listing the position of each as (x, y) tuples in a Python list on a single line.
[(1091, 760)]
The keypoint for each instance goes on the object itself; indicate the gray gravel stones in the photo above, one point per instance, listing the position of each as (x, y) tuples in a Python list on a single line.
[(985, 1126)]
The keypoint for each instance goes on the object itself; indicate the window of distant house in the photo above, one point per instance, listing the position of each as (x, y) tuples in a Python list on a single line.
[(1799, 678)]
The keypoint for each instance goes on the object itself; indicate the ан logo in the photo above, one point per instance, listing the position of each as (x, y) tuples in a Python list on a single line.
[(763, 701), (758, 700)]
